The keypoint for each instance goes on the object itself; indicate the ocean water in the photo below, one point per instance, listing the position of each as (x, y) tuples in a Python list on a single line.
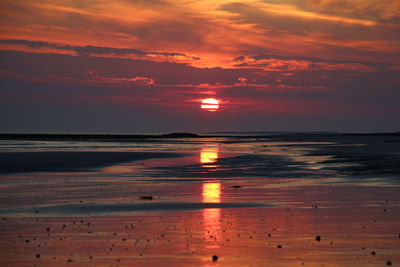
[(288, 200)]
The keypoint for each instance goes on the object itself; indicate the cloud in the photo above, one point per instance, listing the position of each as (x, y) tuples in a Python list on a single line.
[(384, 10), (204, 33), (296, 63), (93, 50), (283, 19)]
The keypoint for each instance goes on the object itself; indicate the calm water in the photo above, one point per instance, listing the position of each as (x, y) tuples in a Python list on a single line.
[(249, 201)]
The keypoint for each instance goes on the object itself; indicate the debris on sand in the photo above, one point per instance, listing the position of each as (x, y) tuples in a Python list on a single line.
[(236, 186), (147, 197), (318, 238), (214, 258)]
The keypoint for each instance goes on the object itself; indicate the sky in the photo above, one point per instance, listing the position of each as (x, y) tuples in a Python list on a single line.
[(144, 66)]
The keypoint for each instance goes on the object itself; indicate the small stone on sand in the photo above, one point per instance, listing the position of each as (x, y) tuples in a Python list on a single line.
[(146, 197), (318, 238), (214, 258)]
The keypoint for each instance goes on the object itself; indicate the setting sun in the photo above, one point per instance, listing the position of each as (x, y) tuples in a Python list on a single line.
[(210, 104)]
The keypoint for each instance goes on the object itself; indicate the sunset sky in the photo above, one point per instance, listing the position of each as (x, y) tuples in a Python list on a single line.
[(144, 66)]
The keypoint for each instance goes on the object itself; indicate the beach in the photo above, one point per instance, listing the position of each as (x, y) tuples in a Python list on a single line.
[(282, 200)]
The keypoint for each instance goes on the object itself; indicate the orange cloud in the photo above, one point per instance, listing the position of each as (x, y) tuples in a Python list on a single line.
[(208, 33), (277, 63)]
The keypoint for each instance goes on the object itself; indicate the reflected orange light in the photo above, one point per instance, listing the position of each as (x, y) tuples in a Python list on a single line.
[(211, 217), (212, 192), (210, 104), (209, 155)]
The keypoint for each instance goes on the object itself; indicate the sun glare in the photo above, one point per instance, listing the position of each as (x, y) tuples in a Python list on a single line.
[(210, 104)]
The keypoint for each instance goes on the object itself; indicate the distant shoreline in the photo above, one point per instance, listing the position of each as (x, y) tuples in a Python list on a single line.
[(127, 137)]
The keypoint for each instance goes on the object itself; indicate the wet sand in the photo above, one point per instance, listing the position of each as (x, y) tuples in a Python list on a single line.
[(255, 202), (61, 161)]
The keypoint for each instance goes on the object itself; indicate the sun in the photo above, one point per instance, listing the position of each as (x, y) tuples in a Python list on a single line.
[(210, 104)]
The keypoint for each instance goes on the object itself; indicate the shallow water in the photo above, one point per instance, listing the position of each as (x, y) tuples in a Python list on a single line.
[(251, 202)]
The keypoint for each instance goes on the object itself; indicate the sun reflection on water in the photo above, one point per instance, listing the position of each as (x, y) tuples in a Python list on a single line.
[(211, 217), (212, 192), (209, 156)]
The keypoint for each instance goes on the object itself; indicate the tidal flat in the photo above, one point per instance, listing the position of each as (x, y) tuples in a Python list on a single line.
[(285, 200)]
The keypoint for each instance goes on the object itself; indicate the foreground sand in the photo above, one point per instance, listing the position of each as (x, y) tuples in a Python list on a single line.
[(258, 203)]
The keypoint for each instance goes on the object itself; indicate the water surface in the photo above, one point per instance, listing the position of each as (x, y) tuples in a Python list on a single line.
[(312, 201)]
